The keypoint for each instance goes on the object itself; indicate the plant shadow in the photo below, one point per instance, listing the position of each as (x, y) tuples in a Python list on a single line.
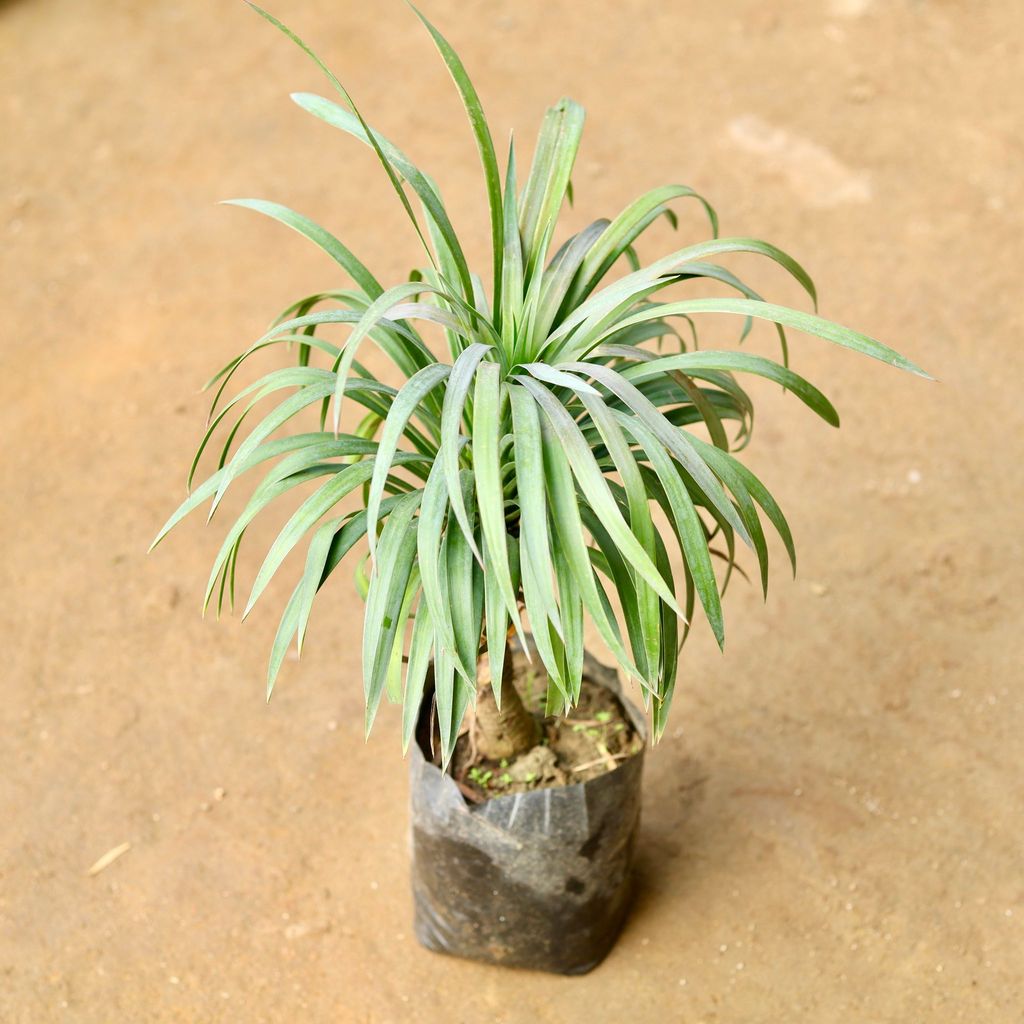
[(667, 858)]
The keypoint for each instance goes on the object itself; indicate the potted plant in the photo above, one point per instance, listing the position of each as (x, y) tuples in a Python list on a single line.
[(571, 458)]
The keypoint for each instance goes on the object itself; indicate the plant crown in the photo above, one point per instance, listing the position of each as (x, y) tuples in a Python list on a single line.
[(519, 479)]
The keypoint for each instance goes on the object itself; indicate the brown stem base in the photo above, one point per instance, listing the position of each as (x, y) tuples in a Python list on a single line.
[(507, 732)]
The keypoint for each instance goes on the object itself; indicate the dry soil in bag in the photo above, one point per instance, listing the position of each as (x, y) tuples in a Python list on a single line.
[(538, 879)]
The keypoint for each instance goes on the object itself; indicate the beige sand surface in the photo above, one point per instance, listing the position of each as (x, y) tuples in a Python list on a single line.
[(834, 831)]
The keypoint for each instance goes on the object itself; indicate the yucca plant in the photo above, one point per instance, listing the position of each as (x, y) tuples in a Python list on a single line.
[(571, 456)]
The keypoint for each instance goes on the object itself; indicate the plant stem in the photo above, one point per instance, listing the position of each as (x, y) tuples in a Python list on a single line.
[(507, 732)]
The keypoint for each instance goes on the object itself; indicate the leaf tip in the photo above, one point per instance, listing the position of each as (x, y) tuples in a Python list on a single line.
[(718, 628)]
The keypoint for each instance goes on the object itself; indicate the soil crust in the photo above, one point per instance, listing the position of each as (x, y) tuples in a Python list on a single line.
[(595, 738)]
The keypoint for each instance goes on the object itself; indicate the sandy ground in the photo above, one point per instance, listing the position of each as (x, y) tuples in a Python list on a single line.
[(833, 831)]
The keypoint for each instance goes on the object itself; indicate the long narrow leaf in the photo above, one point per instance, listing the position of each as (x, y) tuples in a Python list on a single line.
[(484, 142)]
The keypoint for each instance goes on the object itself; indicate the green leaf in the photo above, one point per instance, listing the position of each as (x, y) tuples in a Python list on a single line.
[(541, 604), (375, 312), (282, 639), (316, 234), (311, 510), (452, 695), (670, 659), (708, 413), (459, 382), (369, 136), (565, 515), (487, 416), (462, 589), (549, 178), (743, 362), (559, 378), (393, 676), (301, 376), (386, 596), (609, 560), (429, 536), (602, 312), (725, 468), (401, 344), (571, 613), (622, 231), (560, 275), (771, 508), (678, 442), (594, 486), (484, 142), (416, 671), (688, 525), (342, 535), (511, 304), (816, 325), (262, 453), (395, 160), (640, 523), (496, 620), (300, 468), (406, 404)]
